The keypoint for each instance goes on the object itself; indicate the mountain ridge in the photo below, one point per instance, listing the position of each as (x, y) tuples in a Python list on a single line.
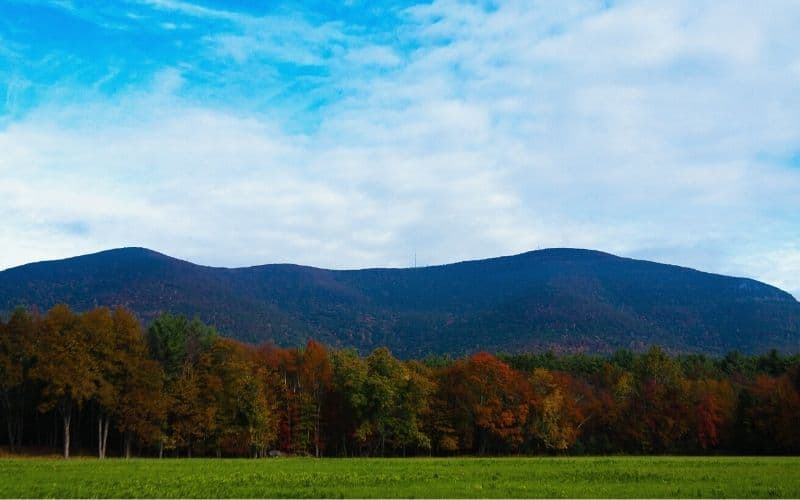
[(155, 253), (563, 299)]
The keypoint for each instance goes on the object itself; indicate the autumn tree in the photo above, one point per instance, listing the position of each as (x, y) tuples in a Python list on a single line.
[(315, 378), (246, 420), (282, 378), (194, 406), (606, 401), (140, 405), (180, 385), (181, 346), (714, 403), (440, 422), (64, 365), (658, 413), (767, 417), (16, 358), (557, 417), (490, 402), (97, 327)]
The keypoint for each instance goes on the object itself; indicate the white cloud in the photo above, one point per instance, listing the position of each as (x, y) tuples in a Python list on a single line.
[(373, 55), (779, 266), (192, 9)]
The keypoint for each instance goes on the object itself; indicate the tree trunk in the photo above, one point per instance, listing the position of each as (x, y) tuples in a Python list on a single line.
[(100, 437), (288, 413), (107, 420), (103, 422), (67, 418), (316, 430), (161, 448), (127, 444)]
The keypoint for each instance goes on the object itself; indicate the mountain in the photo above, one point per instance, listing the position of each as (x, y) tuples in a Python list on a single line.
[(560, 299)]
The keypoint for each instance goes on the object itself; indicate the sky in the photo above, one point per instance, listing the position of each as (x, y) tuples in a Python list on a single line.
[(359, 134)]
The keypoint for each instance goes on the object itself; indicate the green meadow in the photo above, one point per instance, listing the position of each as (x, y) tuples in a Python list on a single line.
[(763, 477)]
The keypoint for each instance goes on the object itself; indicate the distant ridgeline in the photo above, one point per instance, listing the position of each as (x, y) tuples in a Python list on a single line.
[(564, 300), (95, 382)]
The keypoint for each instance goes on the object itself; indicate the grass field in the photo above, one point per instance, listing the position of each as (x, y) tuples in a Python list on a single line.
[(446, 477)]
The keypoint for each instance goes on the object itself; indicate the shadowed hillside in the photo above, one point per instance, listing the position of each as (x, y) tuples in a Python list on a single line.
[(561, 299)]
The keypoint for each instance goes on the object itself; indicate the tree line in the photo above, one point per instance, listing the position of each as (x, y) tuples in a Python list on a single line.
[(99, 381)]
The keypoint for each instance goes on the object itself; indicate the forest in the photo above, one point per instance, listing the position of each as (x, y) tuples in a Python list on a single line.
[(99, 382)]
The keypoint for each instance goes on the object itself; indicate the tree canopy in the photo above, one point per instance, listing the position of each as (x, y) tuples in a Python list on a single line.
[(99, 381)]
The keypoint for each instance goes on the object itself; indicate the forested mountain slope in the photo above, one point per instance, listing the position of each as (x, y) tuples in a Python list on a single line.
[(560, 299)]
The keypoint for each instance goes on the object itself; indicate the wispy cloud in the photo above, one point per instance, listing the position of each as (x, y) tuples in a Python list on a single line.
[(195, 10)]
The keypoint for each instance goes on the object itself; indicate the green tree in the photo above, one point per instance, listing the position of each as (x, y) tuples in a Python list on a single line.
[(414, 407), (246, 419), (174, 340), (350, 385), (382, 387), (181, 346)]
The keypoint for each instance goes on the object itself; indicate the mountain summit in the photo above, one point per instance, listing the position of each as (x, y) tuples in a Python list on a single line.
[(560, 299)]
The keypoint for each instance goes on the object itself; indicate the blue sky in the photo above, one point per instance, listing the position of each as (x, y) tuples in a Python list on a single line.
[(355, 134)]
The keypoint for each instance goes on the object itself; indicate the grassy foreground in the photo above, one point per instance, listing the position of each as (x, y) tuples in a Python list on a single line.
[(440, 477)]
